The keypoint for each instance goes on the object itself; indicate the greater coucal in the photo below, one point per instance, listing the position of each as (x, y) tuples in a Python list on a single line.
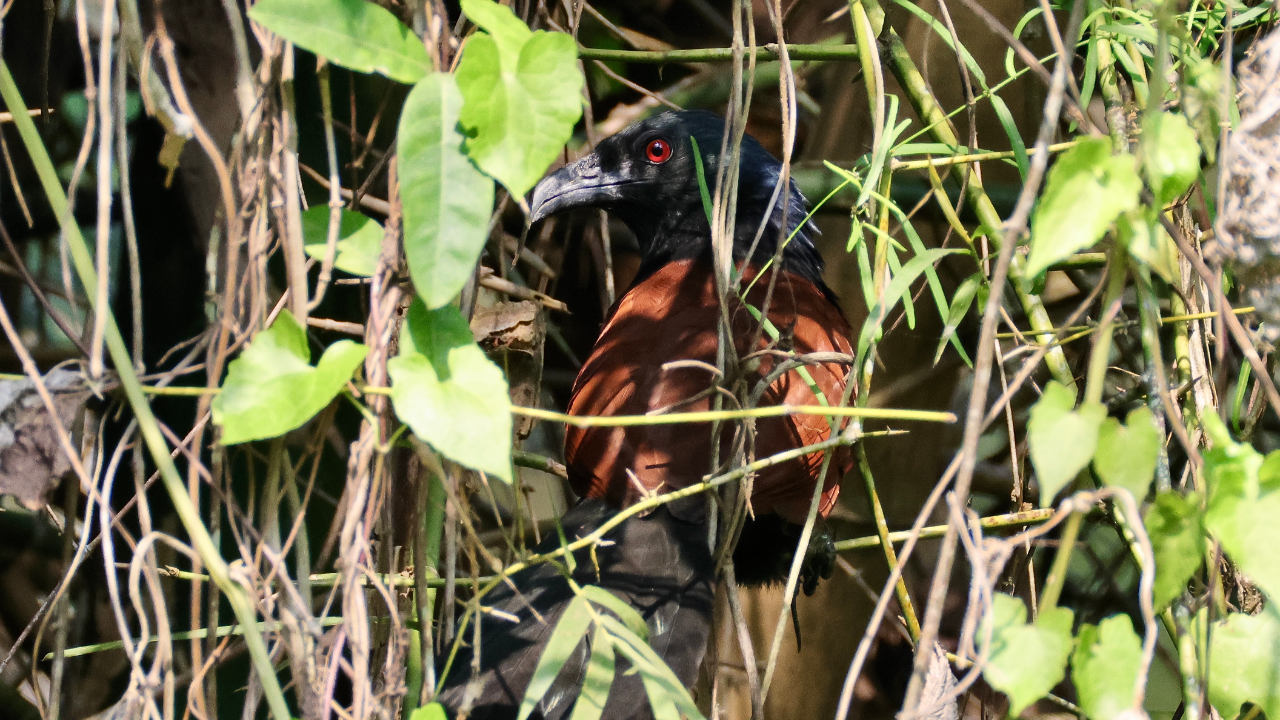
[(660, 562)]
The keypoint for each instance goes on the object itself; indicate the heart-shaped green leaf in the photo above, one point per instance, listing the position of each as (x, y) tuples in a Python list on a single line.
[(451, 395), (523, 95), (1062, 440), (355, 34), (1149, 243), (272, 388), (1244, 502), (1245, 652), (430, 711), (1025, 661), (1127, 454), (1170, 155), (1105, 667), (1087, 189), (359, 240), (1177, 538), (446, 200)]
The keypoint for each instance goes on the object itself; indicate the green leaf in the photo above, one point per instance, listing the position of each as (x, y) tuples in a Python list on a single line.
[(1026, 661), (359, 240), (1127, 454), (1245, 652), (564, 640), (1062, 440), (272, 388), (1149, 243), (430, 711), (598, 680), (1177, 538), (619, 607), (1087, 189), (1244, 502), (961, 301), (523, 95), (446, 200), (352, 33), (1170, 155), (1105, 667), (667, 694), (898, 287), (702, 180), (449, 393)]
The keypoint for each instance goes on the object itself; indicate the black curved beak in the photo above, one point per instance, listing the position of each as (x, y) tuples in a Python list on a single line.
[(579, 184)]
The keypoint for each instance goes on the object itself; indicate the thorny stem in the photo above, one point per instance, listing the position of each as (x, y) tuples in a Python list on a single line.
[(882, 531), (1026, 517)]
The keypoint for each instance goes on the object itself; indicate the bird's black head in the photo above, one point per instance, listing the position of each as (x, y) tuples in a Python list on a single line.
[(647, 176)]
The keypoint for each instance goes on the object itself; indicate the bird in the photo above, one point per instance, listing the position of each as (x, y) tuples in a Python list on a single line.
[(657, 352)]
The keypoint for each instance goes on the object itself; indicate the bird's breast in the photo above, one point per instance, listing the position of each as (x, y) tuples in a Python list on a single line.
[(657, 353)]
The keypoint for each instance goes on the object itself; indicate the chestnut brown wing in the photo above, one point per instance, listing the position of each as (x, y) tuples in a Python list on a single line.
[(671, 316)]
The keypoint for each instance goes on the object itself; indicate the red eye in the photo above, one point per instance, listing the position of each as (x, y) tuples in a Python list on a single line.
[(658, 151)]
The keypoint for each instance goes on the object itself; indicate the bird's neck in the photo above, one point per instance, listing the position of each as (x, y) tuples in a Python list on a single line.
[(682, 236), (671, 238)]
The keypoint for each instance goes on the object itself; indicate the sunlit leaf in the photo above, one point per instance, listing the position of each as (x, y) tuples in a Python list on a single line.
[(1105, 667), (1087, 189), (564, 641), (1127, 454), (355, 34), (1149, 243), (1025, 660), (523, 95), (451, 395), (1170, 155), (666, 693), (446, 200), (359, 240), (899, 286), (619, 607), (599, 679), (1062, 439), (1244, 502), (1177, 538), (430, 711), (272, 387), (961, 301), (1245, 653)]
